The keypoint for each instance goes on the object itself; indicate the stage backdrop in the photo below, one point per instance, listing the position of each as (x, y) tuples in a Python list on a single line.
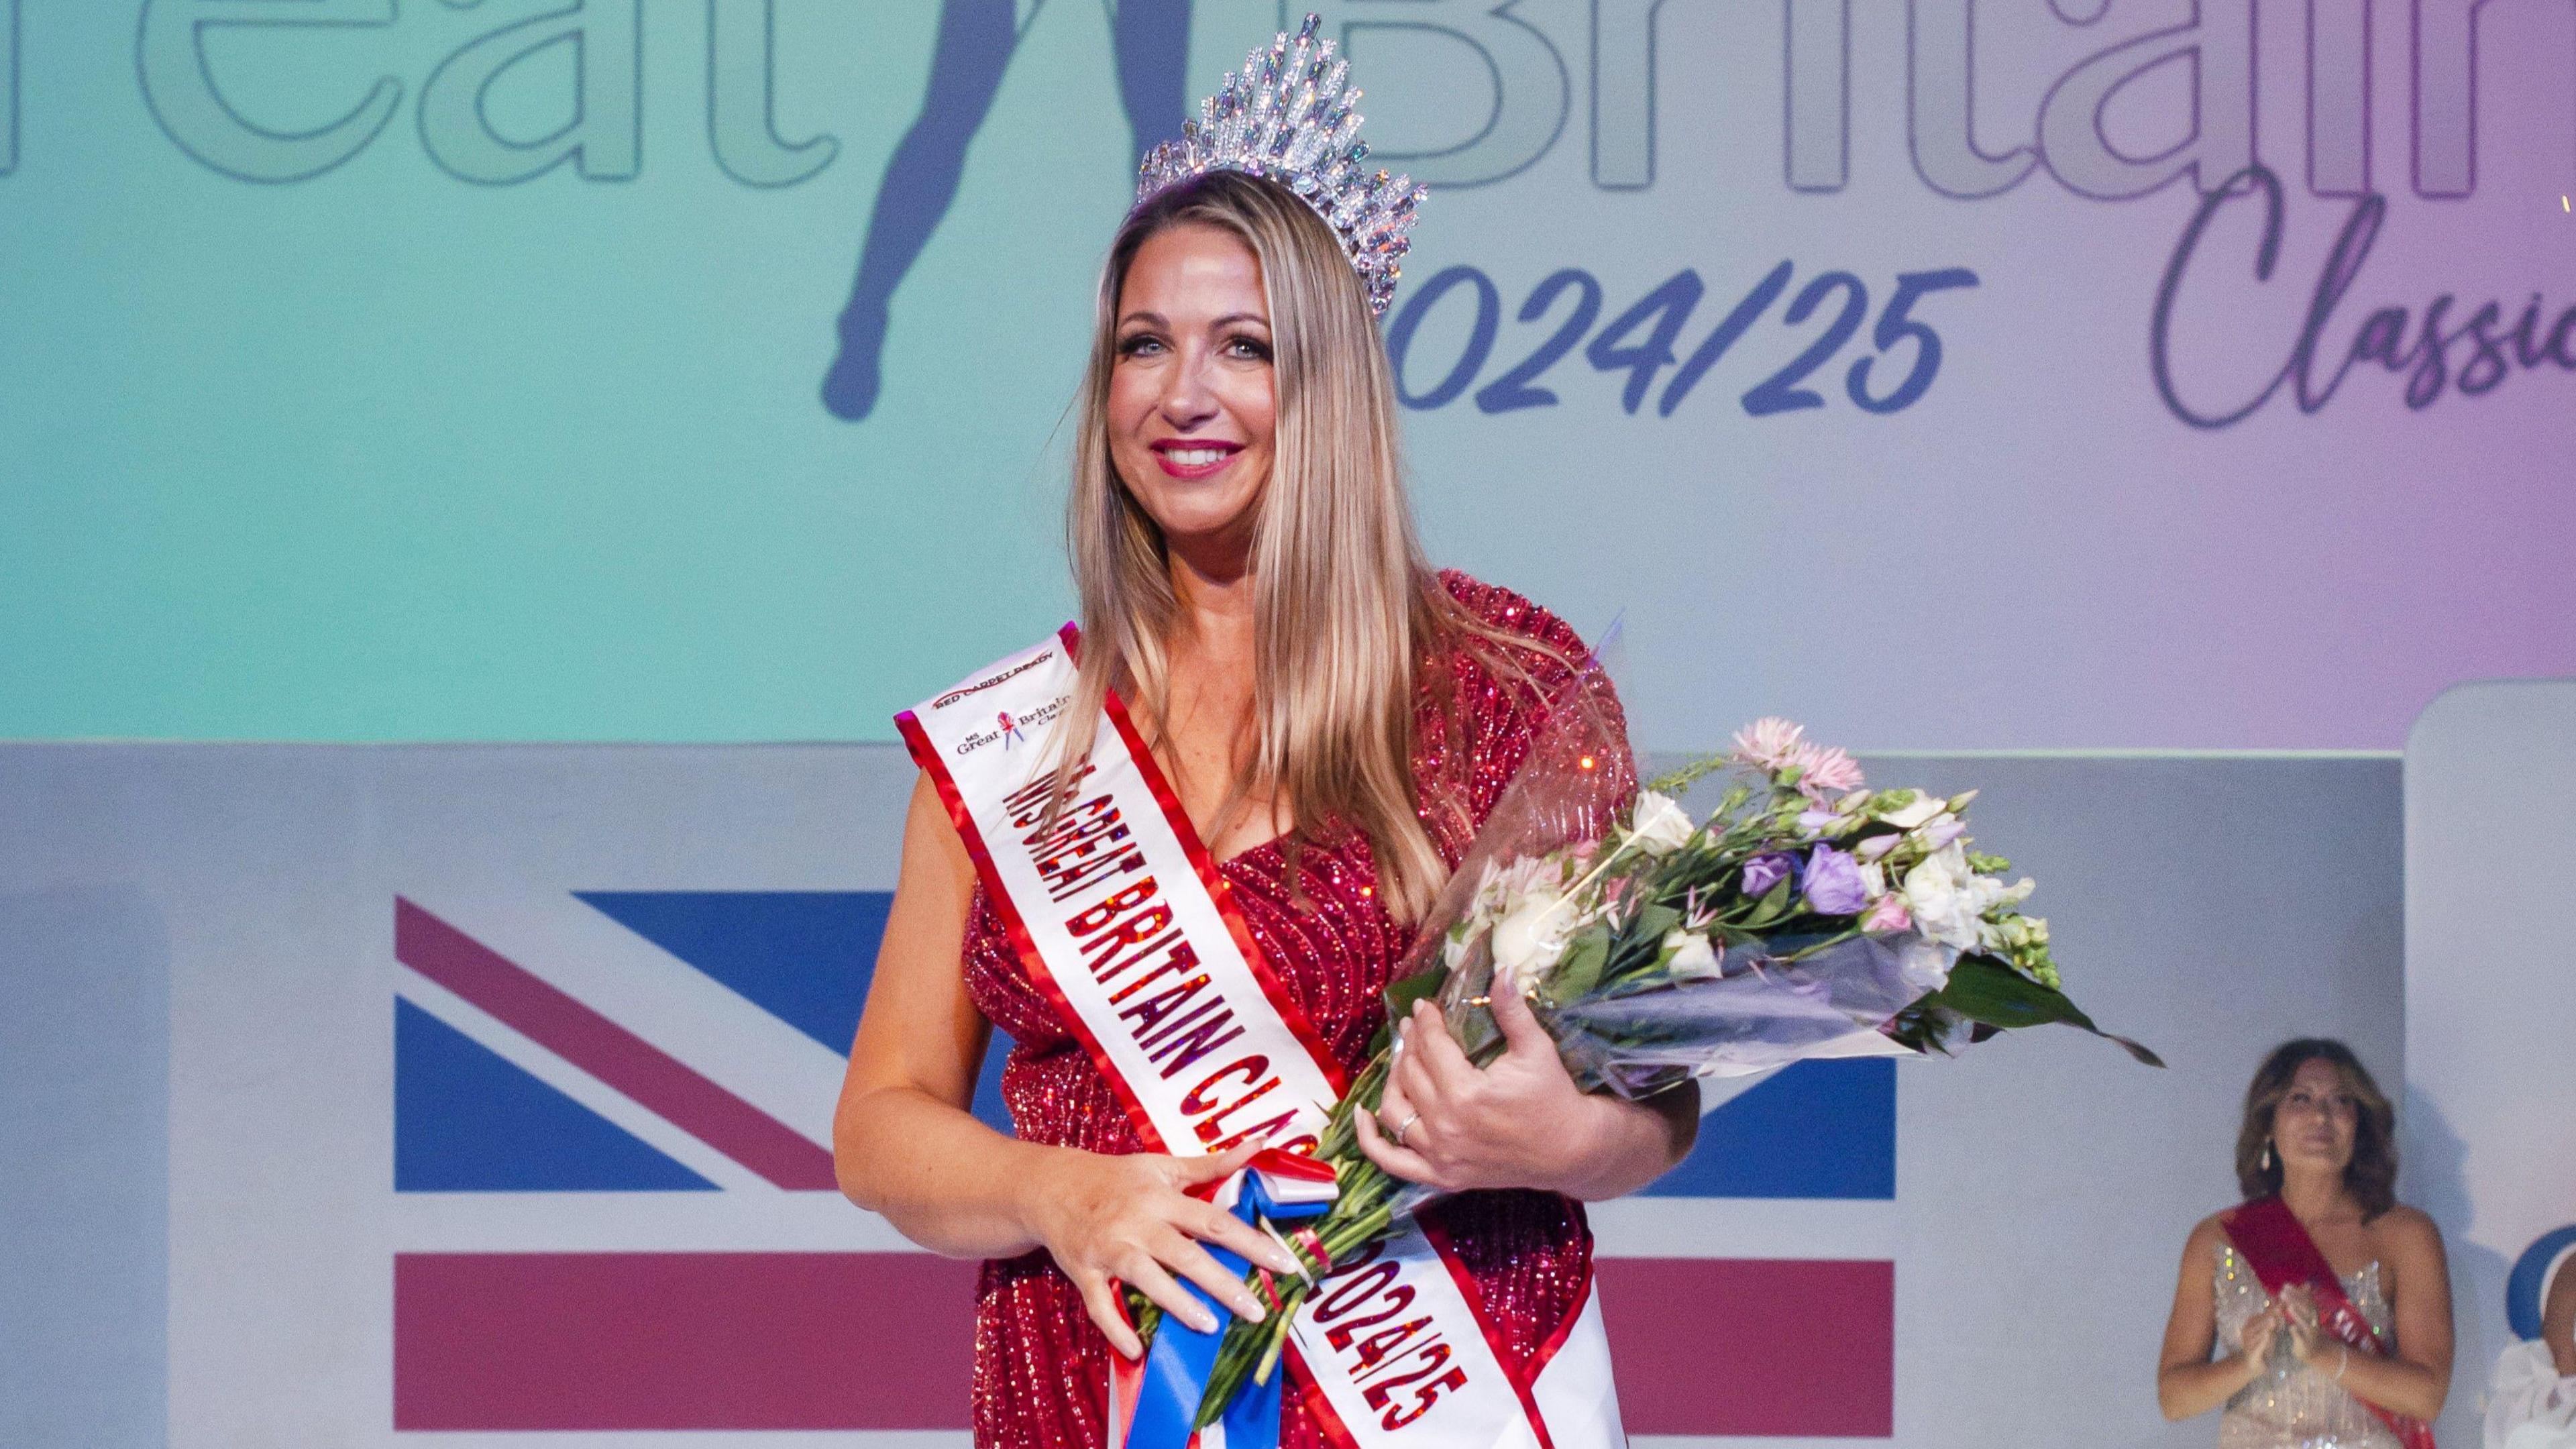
[(589, 369), (2490, 1115), (479, 1097)]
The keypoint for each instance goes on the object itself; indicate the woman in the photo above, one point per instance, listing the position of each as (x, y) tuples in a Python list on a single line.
[(2327, 1303), (2531, 1396), (2558, 1322), (1324, 721)]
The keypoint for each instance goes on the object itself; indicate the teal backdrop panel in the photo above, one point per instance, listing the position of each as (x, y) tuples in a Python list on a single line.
[(2015, 374)]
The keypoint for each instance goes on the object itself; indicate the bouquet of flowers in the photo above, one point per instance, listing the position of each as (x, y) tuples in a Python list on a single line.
[(1806, 915)]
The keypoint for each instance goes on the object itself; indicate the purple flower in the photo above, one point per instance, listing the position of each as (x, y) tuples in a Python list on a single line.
[(1763, 872), (1834, 883)]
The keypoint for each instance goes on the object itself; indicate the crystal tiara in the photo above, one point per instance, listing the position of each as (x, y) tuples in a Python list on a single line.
[(1286, 116)]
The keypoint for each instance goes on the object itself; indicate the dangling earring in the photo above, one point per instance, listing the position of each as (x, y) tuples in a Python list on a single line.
[(2267, 1154)]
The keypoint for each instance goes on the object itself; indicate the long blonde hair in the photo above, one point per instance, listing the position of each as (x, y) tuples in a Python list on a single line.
[(1343, 602)]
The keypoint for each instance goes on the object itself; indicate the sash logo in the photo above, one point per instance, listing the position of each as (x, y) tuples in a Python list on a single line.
[(1008, 728)]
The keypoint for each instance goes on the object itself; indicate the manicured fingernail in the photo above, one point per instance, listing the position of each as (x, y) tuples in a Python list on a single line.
[(1203, 1321), (1249, 1311)]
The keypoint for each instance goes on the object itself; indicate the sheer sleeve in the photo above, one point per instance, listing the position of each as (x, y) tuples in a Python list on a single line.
[(1495, 699)]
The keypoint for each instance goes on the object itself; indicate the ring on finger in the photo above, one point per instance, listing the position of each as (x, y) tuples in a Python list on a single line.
[(1404, 1126)]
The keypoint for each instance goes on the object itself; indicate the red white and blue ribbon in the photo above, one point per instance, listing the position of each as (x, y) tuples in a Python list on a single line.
[(1154, 1402), (1125, 923)]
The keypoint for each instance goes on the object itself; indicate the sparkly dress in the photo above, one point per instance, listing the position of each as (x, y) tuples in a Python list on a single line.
[(2291, 1405), (1041, 1368)]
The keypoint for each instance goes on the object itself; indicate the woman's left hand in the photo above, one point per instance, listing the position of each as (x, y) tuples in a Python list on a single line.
[(2299, 1321), (1445, 1123)]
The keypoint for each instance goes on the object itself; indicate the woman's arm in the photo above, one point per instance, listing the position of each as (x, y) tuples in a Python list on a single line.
[(903, 1143), (2558, 1318), (2188, 1381), (2415, 1377), (905, 1146), (1520, 1122)]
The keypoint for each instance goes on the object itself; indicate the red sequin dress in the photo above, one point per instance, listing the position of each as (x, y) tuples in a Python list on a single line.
[(1041, 1368)]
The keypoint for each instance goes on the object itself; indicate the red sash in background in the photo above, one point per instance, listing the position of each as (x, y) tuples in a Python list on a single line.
[(2268, 1237)]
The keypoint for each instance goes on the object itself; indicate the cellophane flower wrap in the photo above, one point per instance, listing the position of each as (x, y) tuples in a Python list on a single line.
[(1807, 914)]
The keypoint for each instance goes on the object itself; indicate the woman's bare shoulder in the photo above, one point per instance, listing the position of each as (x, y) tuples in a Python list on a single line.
[(2208, 1235), (2403, 1231)]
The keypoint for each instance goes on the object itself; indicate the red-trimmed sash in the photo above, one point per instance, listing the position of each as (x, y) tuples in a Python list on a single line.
[(2269, 1238), (1124, 922)]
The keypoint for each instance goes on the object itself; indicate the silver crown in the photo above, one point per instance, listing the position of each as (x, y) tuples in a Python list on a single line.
[(1286, 116)]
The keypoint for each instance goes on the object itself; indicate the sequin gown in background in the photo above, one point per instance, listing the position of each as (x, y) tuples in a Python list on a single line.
[(1041, 1368), (2291, 1405)]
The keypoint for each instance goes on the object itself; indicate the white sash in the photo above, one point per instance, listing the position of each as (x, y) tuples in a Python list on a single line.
[(1123, 921)]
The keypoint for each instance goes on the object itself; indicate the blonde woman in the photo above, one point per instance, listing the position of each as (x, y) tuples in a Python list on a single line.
[(2317, 1313), (1275, 732)]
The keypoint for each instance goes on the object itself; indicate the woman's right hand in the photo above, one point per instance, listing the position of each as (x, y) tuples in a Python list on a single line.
[(1130, 1219), (2259, 1332)]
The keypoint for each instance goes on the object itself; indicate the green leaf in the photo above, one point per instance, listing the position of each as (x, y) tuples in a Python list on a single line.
[(1985, 990), (1421, 986), (1653, 922), (1773, 905), (1580, 970), (1677, 783), (1400, 996)]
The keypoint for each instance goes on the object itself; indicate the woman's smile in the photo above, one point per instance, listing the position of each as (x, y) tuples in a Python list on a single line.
[(1194, 458)]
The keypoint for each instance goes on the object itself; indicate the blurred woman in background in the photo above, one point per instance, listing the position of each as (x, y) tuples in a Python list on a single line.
[(2531, 1397), (2317, 1313)]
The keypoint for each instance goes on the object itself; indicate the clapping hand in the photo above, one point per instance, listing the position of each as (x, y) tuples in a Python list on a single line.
[(2299, 1319), (2259, 1332)]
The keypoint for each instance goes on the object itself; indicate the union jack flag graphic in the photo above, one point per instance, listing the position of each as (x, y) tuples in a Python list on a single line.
[(616, 1207)]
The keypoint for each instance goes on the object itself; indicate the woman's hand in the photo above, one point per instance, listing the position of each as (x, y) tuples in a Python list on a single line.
[(1518, 1123), (2257, 1338), (1443, 1123), (1130, 1219), (2298, 1309)]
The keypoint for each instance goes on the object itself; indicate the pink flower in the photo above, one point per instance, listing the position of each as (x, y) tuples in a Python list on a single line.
[(1828, 768), (1888, 915), (1769, 743)]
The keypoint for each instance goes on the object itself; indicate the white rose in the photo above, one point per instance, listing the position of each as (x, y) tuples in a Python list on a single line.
[(1660, 825), (1692, 958), (1945, 898), (1504, 886), (1923, 807), (1528, 941)]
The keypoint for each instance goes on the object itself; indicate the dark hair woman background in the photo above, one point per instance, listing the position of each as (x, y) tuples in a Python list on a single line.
[(2317, 1312)]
